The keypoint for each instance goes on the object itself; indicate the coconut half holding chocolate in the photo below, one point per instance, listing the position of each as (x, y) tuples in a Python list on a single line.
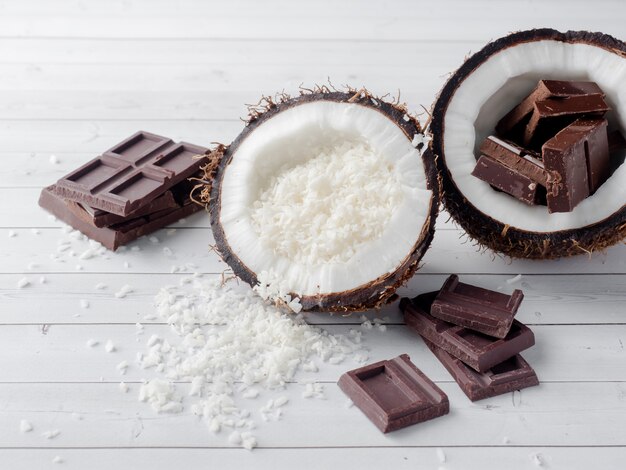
[(476, 100), (325, 201)]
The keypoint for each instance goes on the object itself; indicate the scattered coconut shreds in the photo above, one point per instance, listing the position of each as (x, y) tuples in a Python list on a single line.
[(230, 344), (124, 387), (153, 240), (54, 159), (12, 234), (160, 394), (25, 426), (506, 440), (84, 303), (124, 290), (43, 280), (51, 434), (109, 346), (441, 455), (126, 264), (101, 286), (57, 459), (24, 282), (515, 279), (270, 288), (35, 231), (92, 342)]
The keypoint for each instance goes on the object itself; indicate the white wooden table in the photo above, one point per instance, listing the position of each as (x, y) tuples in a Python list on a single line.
[(78, 76)]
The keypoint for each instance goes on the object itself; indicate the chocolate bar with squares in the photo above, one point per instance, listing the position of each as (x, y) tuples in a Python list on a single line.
[(132, 173), (394, 394)]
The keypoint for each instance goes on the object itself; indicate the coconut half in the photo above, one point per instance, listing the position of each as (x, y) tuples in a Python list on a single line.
[(485, 88), (327, 194)]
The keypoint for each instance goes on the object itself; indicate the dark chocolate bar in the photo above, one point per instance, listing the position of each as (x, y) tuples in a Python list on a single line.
[(520, 114), (394, 394), (100, 218), (478, 309), (516, 158), (579, 155), (119, 234), (481, 352), (553, 114), (131, 174), (513, 374), (510, 181)]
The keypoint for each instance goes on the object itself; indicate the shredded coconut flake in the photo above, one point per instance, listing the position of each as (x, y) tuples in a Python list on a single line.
[(51, 434), (24, 282), (84, 303), (92, 342), (54, 159), (25, 426), (109, 346), (57, 459), (124, 291), (515, 279)]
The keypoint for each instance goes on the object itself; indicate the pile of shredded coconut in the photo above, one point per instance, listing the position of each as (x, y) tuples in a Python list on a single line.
[(231, 343), (321, 211)]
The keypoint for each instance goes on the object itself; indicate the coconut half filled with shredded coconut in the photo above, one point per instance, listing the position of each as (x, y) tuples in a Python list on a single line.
[(475, 98), (325, 201)]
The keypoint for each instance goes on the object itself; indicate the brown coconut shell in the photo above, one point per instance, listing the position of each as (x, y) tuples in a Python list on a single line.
[(376, 292), (492, 233)]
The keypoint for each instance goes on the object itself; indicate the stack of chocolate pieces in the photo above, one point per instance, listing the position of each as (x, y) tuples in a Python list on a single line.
[(472, 331), (553, 148), (138, 186)]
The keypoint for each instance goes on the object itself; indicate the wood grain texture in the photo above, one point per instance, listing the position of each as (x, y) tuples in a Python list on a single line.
[(78, 76)]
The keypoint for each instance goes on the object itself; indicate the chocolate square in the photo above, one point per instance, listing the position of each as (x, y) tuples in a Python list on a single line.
[(394, 394)]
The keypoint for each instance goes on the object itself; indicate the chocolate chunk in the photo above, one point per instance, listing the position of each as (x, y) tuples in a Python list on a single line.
[(508, 180), (551, 115), (478, 351), (513, 374), (131, 174), (579, 156), (515, 158), (394, 394), (100, 218), (478, 309), (545, 89), (122, 233)]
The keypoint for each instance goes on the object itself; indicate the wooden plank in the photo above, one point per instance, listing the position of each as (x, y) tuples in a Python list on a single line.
[(553, 414), (548, 299), (407, 458), (349, 20), (58, 353), (450, 252), (225, 53)]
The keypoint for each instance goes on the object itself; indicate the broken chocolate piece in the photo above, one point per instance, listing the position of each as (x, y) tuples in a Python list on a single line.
[(516, 158), (478, 351), (508, 180), (545, 89), (513, 374), (579, 155), (394, 394), (119, 234), (553, 114), (478, 309), (131, 174)]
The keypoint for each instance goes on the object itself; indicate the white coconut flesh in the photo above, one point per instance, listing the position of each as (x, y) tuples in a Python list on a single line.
[(498, 85), (326, 196)]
